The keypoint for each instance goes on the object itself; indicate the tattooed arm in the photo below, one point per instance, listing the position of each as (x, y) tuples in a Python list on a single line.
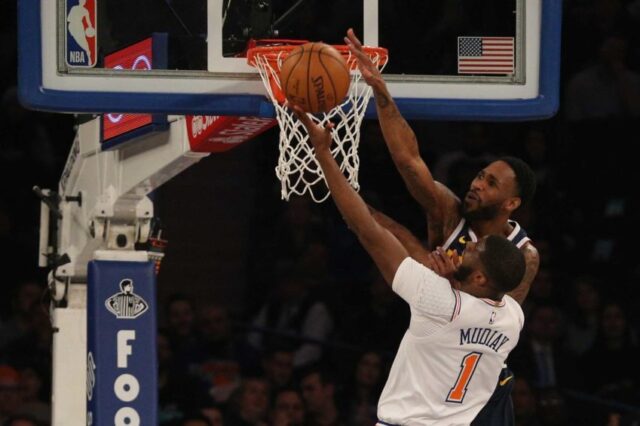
[(440, 205), (532, 259)]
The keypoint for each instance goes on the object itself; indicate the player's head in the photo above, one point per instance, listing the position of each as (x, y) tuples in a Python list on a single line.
[(499, 189), (491, 267), (126, 286)]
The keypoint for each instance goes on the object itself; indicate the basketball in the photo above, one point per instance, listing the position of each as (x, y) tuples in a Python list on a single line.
[(315, 76)]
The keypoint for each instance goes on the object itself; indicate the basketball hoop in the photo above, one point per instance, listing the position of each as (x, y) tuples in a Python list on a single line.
[(297, 169)]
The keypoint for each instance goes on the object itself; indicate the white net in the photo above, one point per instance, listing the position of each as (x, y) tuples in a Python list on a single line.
[(297, 169)]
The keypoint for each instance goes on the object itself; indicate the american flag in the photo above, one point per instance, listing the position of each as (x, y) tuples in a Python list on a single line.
[(485, 55)]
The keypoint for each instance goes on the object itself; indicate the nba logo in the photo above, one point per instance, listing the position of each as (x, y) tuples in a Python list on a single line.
[(82, 40)]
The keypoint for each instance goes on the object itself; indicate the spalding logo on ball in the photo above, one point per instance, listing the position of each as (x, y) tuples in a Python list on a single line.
[(315, 77)]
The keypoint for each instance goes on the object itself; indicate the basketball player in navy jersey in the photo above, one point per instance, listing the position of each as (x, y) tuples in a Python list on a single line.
[(497, 191)]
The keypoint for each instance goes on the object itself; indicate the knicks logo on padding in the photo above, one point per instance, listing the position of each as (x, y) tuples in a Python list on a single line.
[(82, 32)]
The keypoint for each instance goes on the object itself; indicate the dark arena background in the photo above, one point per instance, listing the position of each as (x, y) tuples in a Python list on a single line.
[(254, 293)]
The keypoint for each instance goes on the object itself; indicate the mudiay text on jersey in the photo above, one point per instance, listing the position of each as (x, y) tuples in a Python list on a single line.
[(483, 336)]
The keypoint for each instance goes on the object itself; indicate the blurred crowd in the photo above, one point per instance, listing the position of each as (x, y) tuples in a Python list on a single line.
[(312, 341)]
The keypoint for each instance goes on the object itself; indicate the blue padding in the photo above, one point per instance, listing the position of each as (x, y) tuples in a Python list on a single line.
[(122, 362)]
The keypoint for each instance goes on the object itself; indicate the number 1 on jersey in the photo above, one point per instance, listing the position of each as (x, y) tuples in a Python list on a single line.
[(467, 368)]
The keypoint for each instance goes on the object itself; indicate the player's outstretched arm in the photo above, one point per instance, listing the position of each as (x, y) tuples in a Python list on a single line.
[(411, 243), (385, 249), (401, 141), (532, 260)]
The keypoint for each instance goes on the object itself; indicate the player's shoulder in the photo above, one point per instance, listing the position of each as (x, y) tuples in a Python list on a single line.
[(529, 246), (514, 307), (411, 269), (530, 252)]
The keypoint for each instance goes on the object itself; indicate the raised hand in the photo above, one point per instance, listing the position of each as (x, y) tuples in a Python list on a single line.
[(442, 264), (320, 137), (368, 69)]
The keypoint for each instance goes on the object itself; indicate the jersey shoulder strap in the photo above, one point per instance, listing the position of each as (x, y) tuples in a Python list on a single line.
[(518, 236)]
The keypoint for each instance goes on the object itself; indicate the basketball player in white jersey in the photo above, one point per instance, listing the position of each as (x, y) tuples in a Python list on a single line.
[(497, 191), (451, 356)]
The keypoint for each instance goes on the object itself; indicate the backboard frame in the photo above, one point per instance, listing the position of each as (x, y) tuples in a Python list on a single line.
[(45, 88)]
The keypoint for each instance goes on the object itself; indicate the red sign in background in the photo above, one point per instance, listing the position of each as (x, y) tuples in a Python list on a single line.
[(135, 57), (215, 133)]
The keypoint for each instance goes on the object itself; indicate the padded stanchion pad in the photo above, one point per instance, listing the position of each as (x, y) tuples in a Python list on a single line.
[(121, 354)]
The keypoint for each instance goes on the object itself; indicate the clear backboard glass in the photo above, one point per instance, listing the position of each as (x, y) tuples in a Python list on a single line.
[(443, 54)]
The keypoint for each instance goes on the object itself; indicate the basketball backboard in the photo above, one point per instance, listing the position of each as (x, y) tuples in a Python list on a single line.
[(433, 48)]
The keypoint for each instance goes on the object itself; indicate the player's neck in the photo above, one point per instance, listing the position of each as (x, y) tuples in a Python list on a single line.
[(497, 226), (491, 294), (484, 293), (495, 296)]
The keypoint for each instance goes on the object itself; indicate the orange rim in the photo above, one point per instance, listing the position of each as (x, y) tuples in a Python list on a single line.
[(273, 53)]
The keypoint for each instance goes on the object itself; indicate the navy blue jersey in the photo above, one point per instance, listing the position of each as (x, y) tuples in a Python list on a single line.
[(499, 409), (463, 233)]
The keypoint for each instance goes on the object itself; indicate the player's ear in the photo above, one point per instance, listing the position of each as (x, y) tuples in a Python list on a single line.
[(512, 203), (478, 277)]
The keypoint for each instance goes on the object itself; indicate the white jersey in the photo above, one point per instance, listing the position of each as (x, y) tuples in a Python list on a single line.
[(449, 360)]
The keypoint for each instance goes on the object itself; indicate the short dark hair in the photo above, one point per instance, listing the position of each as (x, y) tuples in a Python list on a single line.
[(503, 263), (525, 178)]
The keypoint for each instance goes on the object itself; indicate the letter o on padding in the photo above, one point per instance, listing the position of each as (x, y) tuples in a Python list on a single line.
[(126, 387), (126, 416)]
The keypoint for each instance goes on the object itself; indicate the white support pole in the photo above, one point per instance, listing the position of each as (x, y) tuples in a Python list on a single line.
[(69, 381)]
